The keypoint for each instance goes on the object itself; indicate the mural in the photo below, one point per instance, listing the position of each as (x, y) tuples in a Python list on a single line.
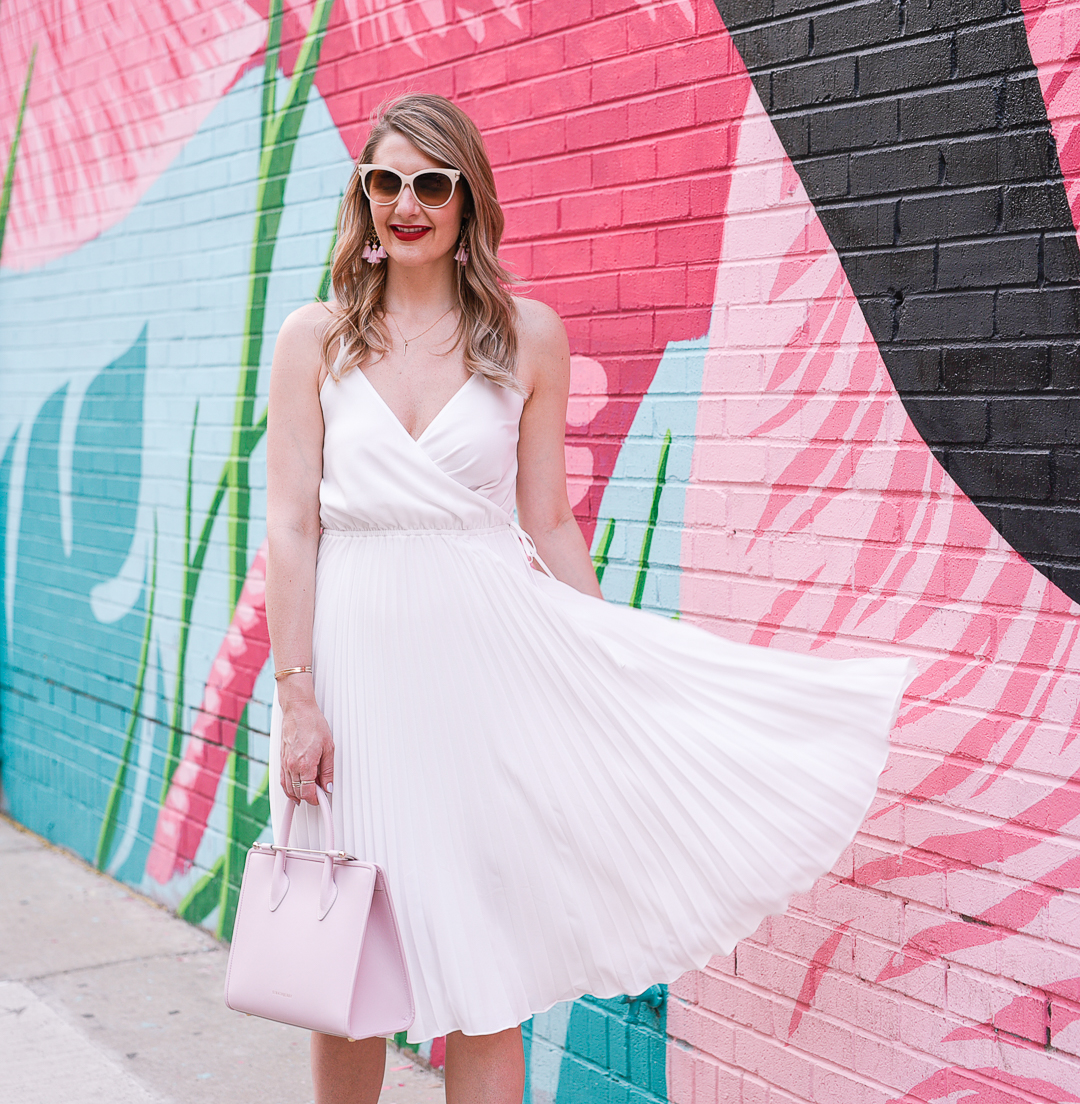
[(820, 271)]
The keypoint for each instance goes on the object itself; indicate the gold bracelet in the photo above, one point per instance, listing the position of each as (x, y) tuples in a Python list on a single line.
[(291, 671)]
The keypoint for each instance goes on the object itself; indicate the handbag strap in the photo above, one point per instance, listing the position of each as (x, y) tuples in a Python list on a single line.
[(327, 821), (279, 880)]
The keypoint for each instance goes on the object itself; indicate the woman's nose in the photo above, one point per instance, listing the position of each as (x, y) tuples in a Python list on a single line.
[(406, 203)]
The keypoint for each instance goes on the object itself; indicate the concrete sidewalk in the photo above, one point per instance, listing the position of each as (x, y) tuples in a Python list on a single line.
[(107, 997)]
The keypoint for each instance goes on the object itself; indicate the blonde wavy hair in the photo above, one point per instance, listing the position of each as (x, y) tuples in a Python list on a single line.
[(486, 331)]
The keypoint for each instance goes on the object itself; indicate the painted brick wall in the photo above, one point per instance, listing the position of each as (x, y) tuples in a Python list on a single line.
[(818, 263)]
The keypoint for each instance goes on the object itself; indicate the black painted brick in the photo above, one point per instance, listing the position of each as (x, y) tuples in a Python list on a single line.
[(949, 421), (932, 15), (1039, 312), (748, 12), (1065, 366), (861, 224), (910, 65), (1035, 207), (948, 316), (1051, 420), (988, 262), (853, 126), (878, 171), (879, 313), (1061, 259), (1049, 533), (774, 43), (825, 177), (945, 147), (1001, 475), (1023, 102), (946, 111), (1066, 467), (996, 48), (858, 26), (1066, 578), (816, 83), (892, 269), (917, 369), (948, 215), (794, 133), (1019, 155), (996, 367)]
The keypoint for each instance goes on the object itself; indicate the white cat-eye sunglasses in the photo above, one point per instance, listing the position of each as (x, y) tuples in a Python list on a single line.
[(432, 188)]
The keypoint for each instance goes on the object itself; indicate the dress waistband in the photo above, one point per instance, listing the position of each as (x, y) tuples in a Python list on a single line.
[(528, 548)]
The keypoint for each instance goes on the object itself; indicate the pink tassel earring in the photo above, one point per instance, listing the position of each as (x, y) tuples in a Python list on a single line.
[(462, 254), (373, 251)]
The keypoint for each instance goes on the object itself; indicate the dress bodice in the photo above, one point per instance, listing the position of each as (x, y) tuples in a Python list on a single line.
[(460, 473)]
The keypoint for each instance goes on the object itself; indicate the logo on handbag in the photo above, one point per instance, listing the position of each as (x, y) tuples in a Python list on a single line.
[(315, 942)]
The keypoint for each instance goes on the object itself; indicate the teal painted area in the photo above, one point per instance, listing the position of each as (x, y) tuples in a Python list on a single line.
[(68, 674), (669, 406), (597, 1052), (177, 272)]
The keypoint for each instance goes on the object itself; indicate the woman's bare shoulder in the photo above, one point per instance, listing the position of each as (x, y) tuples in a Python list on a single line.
[(543, 349), (299, 341), (307, 323), (537, 322)]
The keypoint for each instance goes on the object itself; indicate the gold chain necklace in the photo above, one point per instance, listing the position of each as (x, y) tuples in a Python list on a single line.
[(408, 340)]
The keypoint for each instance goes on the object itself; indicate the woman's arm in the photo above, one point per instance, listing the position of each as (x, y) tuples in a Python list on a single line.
[(543, 508), (294, 441)]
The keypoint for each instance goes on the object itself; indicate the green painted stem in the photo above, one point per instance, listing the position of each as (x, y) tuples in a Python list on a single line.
[(13, 152), (654, 513), (600, 560), (280, 130), (111, 820)]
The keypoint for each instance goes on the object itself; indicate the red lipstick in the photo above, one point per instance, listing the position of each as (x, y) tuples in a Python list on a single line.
[(409, 233)]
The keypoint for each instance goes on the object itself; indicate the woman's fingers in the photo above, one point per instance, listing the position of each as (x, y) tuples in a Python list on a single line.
[(326, 770)]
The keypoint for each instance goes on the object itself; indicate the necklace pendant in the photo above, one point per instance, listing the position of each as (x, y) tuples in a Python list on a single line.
[(405, 352)]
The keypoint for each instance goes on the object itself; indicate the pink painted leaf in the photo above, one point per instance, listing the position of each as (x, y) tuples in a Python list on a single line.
[(117, 91), (819, 963), (983, 1086), (931, 577), (239, 661)]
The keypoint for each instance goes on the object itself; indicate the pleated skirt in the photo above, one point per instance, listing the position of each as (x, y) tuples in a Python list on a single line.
[(567, 796)]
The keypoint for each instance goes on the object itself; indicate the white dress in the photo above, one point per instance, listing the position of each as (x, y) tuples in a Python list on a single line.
[(567, 796)]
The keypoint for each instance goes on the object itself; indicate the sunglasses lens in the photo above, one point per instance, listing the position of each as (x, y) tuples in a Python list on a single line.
[(433, 189), (382, 185)]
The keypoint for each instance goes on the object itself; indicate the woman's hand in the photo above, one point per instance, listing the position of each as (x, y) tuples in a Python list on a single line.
[(307, 751)]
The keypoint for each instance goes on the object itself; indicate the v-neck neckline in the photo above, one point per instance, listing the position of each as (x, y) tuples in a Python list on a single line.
[(400, 424)]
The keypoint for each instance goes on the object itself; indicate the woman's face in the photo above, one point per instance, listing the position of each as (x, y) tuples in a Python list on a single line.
[(413, 235)]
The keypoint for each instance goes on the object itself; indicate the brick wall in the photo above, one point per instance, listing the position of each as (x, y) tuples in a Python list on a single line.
[(820, 278)]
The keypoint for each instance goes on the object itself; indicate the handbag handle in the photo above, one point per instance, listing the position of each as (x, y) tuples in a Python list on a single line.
[(279, 881)]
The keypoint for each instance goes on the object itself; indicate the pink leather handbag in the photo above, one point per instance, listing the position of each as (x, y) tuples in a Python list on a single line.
[(315, 943)]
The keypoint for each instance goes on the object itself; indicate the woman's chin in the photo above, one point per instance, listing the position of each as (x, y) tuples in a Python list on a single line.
[(414, 257)]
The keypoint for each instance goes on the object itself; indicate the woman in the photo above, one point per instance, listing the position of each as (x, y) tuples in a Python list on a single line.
[(567, 797)]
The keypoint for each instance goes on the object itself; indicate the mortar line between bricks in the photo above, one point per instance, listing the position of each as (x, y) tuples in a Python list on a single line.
[(971, 22), (936, 191), (717, 1017), (1026, 774), (910, 1051)]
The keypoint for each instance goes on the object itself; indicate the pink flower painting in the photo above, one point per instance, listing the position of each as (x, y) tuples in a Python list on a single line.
[(117, 91)]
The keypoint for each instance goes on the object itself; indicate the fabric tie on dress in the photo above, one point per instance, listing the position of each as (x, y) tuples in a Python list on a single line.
[(528, 546)]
